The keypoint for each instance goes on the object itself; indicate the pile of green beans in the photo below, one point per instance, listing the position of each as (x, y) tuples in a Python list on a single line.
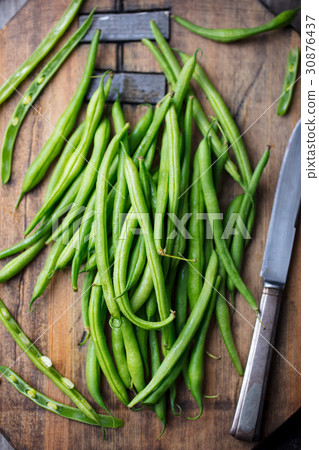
[(155, 276)]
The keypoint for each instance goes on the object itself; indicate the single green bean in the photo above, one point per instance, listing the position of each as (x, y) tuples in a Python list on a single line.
[(44, 364), (49, 268), (289, 82), (102, 351), (93, 376), (32, 93), (63, 127), (223, 320), (56, 407), (160, 112), (235, 34), (120, 198), (196, 362), (142, 338), (19, 262), (41, 51), (84, 229), (140, 128), (119, 355), (196, 243), (85, 299), (69, 251)]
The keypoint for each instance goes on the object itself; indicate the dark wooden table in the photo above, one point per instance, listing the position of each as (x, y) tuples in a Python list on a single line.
[(249, 76)]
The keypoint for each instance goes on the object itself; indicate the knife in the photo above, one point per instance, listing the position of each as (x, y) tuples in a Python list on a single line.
[(279, 244)]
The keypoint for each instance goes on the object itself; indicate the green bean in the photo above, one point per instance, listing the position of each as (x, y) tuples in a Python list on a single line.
[(233, 208), (100, 345), (19, 262), (78, 158), (85, 226), (69, 251), (101, 244), (150, 155), (120, 356), (44, 364), (101, 138), (289, 82), (143, 290), (237, 245), (199, 115), (182, 342), (212, 207), (63, 127), (225, 119), (69, 148), (121, 188), (49, 268), (158, 118), (196, 243), (174, 175), (90, 264), (56, 407), (31, 94), (144, 179), (223, 320), (142, 338), (41, 51), (235, 34), (93, 376), (181, 308), (162, 193), (85, 299), (139, 206), (169, 75), (196, 363), (140, 128)]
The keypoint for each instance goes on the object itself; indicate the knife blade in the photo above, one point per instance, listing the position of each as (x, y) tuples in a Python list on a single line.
[(279, 244)]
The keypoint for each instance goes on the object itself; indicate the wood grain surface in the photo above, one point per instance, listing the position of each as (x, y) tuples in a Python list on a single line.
[(249, 75)]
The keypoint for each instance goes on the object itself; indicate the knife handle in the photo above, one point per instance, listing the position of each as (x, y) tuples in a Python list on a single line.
[(248, 414)]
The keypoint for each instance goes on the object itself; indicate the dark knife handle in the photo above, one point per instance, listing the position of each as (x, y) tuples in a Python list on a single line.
[(247, 419)]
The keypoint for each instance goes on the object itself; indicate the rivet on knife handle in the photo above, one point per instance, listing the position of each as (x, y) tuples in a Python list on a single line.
[(247, 419)]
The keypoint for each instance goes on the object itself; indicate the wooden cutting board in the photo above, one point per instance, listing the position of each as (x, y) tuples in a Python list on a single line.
[(249, 76)]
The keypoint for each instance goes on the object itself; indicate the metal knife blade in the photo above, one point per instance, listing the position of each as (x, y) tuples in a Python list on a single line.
[(248, 414), (285, 209)]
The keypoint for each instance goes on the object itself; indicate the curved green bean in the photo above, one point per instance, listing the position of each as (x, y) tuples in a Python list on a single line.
[(235, 34), (289, 82), (47, 403), (138, 132)]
